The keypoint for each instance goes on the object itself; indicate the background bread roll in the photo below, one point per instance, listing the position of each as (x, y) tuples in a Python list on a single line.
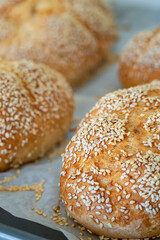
[(110, 181), (36, 106), (72, 36), (140, 61)]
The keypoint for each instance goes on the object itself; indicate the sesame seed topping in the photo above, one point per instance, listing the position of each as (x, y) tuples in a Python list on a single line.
[(142, 55), (121, 175), (31, 96)]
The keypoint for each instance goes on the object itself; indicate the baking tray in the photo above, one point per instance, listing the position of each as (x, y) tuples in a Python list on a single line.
[(13, 228)]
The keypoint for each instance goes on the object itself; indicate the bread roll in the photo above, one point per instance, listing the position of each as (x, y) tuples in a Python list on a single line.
[(110, 181), (72, 36), (36, 106), (140, 61)]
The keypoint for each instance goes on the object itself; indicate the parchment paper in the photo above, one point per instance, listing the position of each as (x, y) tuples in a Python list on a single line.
[(132, 16)]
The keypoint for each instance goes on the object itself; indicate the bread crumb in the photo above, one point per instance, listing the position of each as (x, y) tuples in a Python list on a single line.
[(59, 200), (62, 221), (82, 228), (57, 214), (40, 212), (37, 187), (56, 208), (7, 179), (32, 208)]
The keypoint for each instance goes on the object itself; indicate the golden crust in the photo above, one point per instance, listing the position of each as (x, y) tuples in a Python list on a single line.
[(98, 19), (110, 181), (61, 53), (140, 61), (70, 36), (36, 109)]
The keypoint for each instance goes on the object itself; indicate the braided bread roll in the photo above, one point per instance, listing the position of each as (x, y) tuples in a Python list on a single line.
[(110, 181), (36, 106), (140, 61), (71, 36)]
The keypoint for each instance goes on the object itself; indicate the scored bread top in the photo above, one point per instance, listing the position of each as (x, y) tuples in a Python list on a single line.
[(70, 36), (33, 101), (95, 15), (111, 172), (140, 61), (143, 50)]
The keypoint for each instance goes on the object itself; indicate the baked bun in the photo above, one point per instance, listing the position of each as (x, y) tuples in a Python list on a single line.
[(140, 61), (110, 181), (36, 106), (72, 36)]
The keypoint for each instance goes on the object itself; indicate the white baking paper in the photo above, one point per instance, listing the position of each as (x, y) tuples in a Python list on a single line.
[(132, 16)]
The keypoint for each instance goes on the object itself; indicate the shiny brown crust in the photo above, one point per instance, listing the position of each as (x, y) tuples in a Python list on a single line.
[(110, 181), (71, 36), (140, 61), (36, 106)]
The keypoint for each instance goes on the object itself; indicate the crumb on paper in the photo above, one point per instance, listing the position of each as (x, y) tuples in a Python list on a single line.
[(58, 218), (60, 199), (56, 208), (89, 231), (32, 208), (73, 225), (7, 179), (40, 212), (82, 228), (62, 221), (37, 187)]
